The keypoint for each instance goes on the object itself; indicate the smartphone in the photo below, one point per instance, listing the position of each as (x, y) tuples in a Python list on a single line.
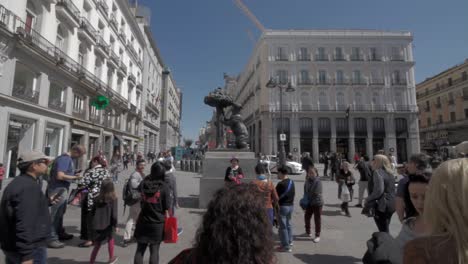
[(59, 193), (78, 171)]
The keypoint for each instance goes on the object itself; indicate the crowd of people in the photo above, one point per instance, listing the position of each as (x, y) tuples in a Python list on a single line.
[(430, 201)]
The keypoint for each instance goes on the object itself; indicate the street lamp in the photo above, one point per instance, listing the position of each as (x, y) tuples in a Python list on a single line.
[(274, 83)]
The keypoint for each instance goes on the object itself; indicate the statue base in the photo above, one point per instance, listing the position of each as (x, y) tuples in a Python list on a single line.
[(214, 169)]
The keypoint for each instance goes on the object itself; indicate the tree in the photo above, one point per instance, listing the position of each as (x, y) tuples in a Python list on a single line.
[(188, 142)]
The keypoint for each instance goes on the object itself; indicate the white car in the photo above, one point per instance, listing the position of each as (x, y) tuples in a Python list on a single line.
[(271, 161)]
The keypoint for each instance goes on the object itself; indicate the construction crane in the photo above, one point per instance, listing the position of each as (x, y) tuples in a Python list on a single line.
[(250, 15)]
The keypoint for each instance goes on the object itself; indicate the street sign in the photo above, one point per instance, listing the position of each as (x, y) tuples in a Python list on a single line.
[(282, 137)]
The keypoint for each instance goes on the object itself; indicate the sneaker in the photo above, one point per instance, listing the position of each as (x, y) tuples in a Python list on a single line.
[(359, 205), (55, 244), (291, 244), (180, 230), (113, 260), (283, 249), (316, 239), (309, 235), (65, 236)]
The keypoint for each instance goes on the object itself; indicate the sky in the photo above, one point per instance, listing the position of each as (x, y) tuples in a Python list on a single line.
[(202, 39)]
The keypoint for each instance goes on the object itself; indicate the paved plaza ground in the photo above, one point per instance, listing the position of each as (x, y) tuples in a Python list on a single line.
[(343, 239)]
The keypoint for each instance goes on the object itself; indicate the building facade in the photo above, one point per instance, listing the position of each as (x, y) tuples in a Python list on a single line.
[(58, 57), (443, 104), (171, 112), (152, 93), (354, 92)]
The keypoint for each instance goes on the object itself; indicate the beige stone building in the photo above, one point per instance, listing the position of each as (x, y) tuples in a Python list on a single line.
[(443, 107)]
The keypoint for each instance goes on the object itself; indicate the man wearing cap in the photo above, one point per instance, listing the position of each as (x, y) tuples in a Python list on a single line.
[(24, 213), (61, 175)]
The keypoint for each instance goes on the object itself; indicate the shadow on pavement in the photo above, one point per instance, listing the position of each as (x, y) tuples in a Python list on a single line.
[(338, 205), (66, 261), (197, 212), (326, 259), (188, 202), (331, 213)]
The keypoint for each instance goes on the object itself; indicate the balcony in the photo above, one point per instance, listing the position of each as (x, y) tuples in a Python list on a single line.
[(303, 57), (339, 57), (123, 36), (399, 82), (361, 108), (358, 82), (114, 60), (321, 57), (122, 69), (341, 107), (132, 79), (68, 11), (133, 51), (340, 81), (103, 7), (133, 109), (374, 57), (79, 113), (403, 108), (102, 47), (356, 57), (308, 107), (281, 58), (323, 82), (87, 32), (139, 86), (397, 58), (379, 108), (324, 107), (377, 82), (304, 82), (26, 94), (57, 105), (114, 24), (95, 119)]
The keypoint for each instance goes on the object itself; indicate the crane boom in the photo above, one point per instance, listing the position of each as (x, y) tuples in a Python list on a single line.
[(249, 14)]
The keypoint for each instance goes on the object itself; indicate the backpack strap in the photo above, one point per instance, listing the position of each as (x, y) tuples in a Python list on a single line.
[(287, 190)]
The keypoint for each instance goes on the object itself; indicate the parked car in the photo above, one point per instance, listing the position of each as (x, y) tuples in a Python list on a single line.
[(271, 162)]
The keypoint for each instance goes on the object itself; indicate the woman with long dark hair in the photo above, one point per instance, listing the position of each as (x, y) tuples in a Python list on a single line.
[(91, 185), (235, 230), (155, 203)]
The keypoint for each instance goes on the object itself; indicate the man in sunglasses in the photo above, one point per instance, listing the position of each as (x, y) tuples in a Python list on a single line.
[(62, 173), (24, 213)]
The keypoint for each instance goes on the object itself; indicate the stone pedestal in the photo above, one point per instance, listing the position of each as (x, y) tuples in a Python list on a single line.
[(214, 169)]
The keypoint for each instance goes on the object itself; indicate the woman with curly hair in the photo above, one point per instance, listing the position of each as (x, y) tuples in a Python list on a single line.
[(155, 204), (235, 230), (91, 187), (446, 214)]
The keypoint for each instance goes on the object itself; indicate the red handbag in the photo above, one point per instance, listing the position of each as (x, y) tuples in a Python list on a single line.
[(170, 230)]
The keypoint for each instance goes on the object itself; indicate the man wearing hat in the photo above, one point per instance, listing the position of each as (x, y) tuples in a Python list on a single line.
[(24, 213)]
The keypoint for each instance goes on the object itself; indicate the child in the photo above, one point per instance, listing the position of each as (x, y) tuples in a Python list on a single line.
[(105, 220), (2, 172)]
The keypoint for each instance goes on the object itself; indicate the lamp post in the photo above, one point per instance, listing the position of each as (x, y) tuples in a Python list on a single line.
[(274, 83)]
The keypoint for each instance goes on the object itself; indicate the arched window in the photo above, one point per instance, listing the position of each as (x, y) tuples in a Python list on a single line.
[(323, 98), (399, 99), (375, 98)]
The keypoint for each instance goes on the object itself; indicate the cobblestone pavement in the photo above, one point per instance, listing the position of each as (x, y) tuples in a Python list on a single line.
[(343, 239)]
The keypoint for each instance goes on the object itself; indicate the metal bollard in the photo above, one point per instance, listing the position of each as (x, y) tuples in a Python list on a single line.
[(197, 167), (192, 166)]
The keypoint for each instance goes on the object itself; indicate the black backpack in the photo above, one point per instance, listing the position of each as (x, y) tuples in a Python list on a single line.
[(130, 196)]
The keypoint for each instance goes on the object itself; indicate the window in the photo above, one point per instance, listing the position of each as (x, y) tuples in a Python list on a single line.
[(376, 98), (304, 77), (373, 54), (60, 40), (281, 54), (30, 19), (452, 117), (282, 76), (303, 54), (464, 76), (450, 98), (466, 113), (438, 104), (428, 106), (429, 121), (449, 81), (339, 77), (396, 54), (322, 77), (323, 98), (321, 54), (358, 98), (339, 53), (356, 77), (340, 99), (440, 119), (356, 53), (78, 103)]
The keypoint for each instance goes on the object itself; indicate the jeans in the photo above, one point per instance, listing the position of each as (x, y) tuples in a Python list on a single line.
[(382, 220), (56, 213), (131, 221), (362, 189), (39, 256), (271, 215), (285, 227), (317, 212)]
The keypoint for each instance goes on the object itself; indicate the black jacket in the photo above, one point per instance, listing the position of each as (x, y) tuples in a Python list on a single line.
[(24, 217)]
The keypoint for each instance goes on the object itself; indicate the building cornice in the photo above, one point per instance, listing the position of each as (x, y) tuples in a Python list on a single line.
[(445, 73), (131, 20)]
